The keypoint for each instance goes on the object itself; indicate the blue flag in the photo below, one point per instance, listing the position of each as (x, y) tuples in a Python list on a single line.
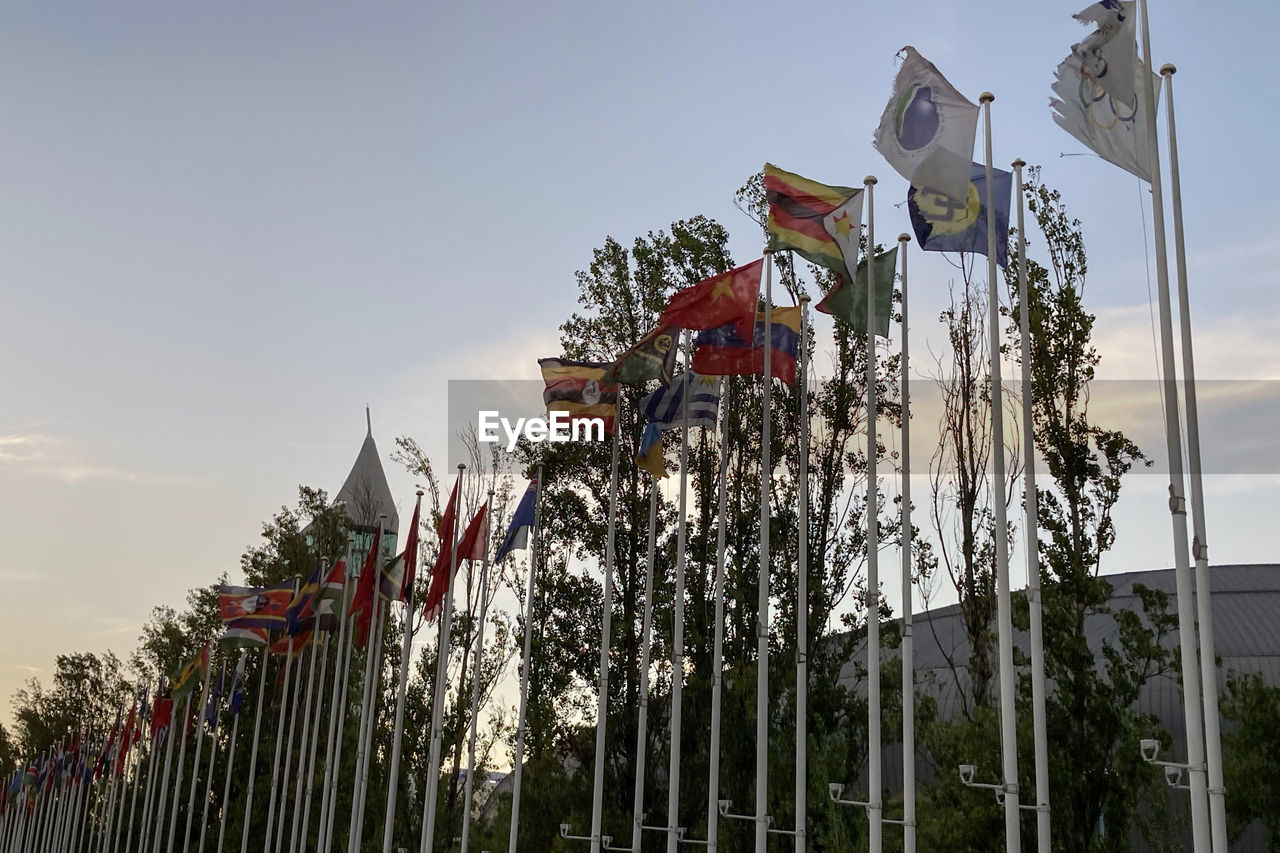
[(666, 406), (518, 533), (237, 685), (215, 697), (944, 224)]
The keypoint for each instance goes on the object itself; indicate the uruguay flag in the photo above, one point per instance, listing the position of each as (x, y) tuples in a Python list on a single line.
[(518, 533)]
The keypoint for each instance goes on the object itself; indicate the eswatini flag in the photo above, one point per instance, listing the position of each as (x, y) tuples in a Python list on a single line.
[(798, 217), (721, 352), (578, 387)]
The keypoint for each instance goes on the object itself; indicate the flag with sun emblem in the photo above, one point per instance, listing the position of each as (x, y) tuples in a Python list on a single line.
[(578, 387), (821, 223), (945, 225), (928, 128)]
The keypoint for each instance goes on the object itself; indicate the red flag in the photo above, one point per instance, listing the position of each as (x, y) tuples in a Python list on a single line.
[(729, 297), (472, 547), (446, 532), (127, 739), (161, 715), (368, 576), (411, 552)]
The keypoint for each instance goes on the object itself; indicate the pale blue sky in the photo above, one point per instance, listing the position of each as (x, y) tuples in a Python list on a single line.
[(226, 227)]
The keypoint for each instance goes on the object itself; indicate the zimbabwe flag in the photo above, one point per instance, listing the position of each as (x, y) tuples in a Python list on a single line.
[(579, 388), (800, 218), (722, 352)]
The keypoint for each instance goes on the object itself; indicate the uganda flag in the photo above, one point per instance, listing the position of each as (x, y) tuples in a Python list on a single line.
[(580, 388), (809, 218), (721, 352)]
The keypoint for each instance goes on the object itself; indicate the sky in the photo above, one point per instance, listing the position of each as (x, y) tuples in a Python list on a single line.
[(227, 228)]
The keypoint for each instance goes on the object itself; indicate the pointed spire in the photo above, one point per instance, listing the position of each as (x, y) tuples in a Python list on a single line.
[(365, 492), (368, 419)]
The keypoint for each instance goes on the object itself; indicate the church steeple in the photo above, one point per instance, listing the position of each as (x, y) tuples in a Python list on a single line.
[(365, 494)]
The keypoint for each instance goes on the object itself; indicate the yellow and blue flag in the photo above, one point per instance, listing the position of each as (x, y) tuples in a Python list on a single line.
[(944, 224)]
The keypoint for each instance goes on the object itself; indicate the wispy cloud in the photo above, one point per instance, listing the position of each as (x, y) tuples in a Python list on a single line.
[(12, 574), (49, 456)]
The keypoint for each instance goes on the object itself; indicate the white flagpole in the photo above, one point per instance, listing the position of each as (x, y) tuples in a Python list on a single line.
[(107, 817), (275, 761), (1008, 710), (717, 645), (225, 805), (1191, 696), (674, 829), (162, 791), (338, 719), (195, 764), (1200, 544), (908, 641), (213, 756), (875, 807), (312, 750), (602, 703), (304, 755), (253, 757), (528, 660), (150, 799), (1032, 534), (646, 634), (373, 681), (288, 748), (177, 787), (802, 595), (133, 797), (475, 685), (393, 776), (428, 840), (762, 600)]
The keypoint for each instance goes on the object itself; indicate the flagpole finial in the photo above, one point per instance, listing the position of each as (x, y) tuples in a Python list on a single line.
[(870, 181), (1168, 69), (767, 252), (420, 492), (986, 98), (1019, 163), (491, 494), (461, 467), (804, 299), (904, 237)]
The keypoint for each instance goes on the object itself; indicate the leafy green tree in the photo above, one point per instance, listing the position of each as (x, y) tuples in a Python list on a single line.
[(1099, 785), (87, 691), (1251, 747)]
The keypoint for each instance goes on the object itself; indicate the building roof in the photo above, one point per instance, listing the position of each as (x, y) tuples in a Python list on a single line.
[(365, 494), (1246, 631)]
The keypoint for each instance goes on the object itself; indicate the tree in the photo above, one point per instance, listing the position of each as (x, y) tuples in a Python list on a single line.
[(1252, 754), (87, 691), (1094, 726)]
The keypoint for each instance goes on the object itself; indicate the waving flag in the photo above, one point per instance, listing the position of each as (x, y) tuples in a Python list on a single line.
[(298, 613), (192, 673), (817, 221), (649, 457), (729, 297), (237, 686), (849, 301), (161, 716), (330, 591), (654, 357), (580, 389), (928, 128), (1097, 91), (472, 547), (256, 607), (521, 523), (944, 225), (215, 698), (721, 352), (362, 604), (700, 395)]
